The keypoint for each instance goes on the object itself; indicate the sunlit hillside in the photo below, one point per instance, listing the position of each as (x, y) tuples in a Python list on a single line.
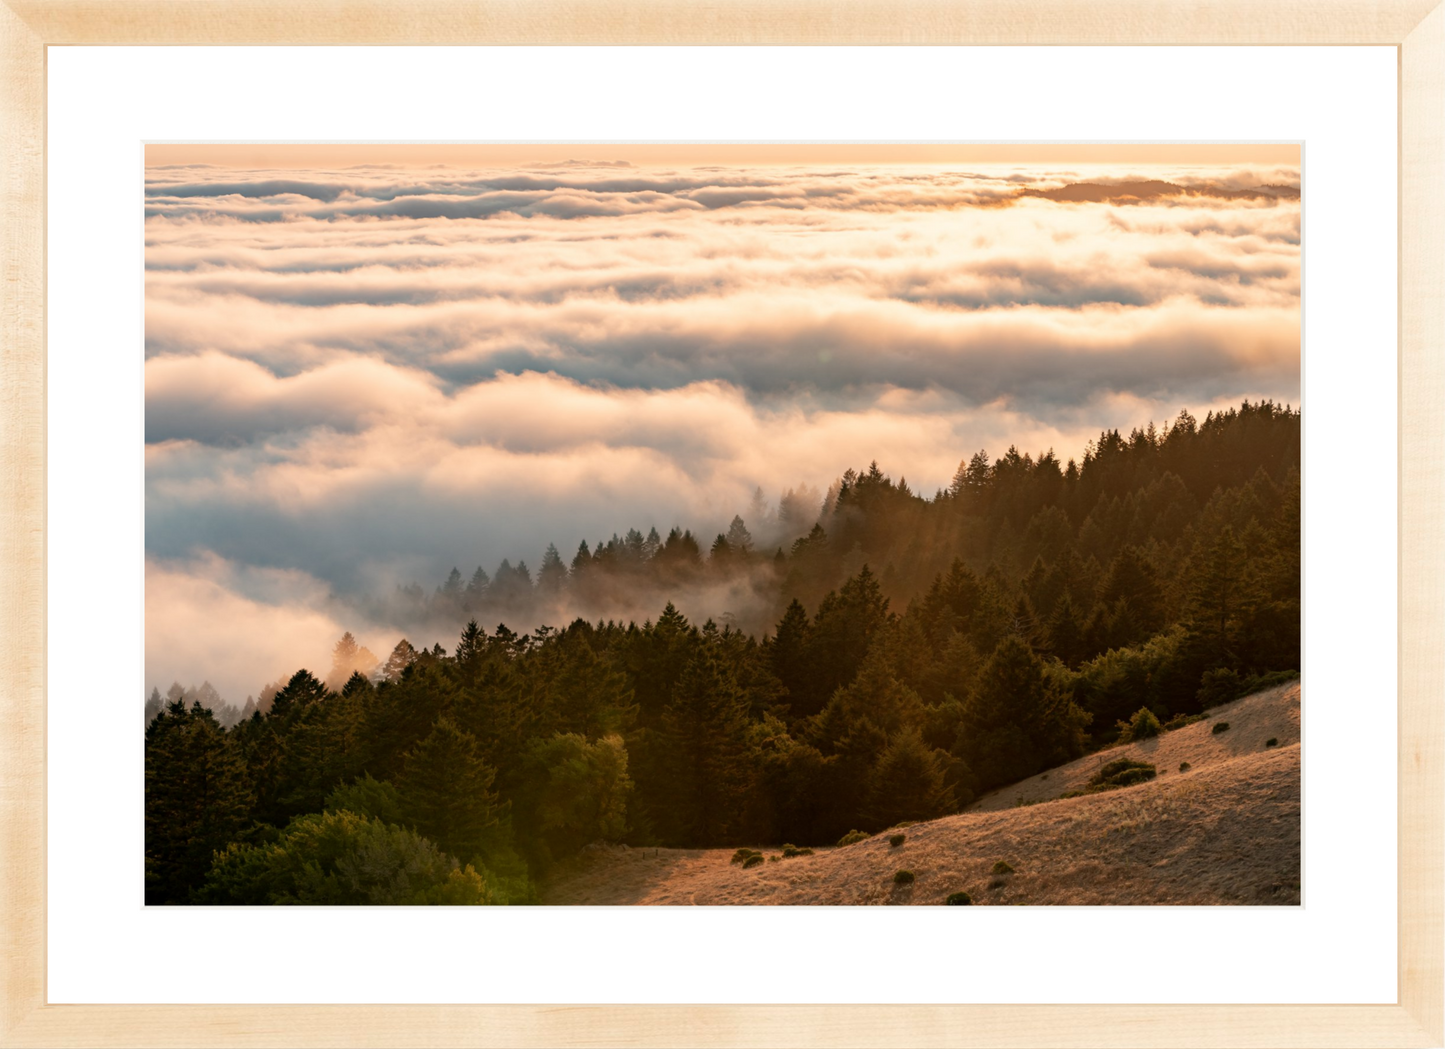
[(1226, 829)]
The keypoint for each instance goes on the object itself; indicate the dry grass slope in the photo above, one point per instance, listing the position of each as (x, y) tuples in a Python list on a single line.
[(1226, 831)]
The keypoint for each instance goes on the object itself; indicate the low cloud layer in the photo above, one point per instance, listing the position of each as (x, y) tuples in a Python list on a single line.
[(358, 378)]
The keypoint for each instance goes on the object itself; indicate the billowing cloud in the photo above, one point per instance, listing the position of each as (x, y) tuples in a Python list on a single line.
[(356, 378)]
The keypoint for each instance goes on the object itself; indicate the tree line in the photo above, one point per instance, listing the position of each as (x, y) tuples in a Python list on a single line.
[(925, 650)]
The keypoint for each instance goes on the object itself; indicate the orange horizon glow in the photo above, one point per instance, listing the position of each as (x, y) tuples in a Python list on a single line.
[(302, 155)]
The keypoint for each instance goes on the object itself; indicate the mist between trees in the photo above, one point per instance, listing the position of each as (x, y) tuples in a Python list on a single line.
[(921, 651)]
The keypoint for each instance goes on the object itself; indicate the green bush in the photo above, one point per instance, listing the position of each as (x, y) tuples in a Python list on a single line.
[(1002, 867), (1143, 725), (853, 837), (1219, 726), (367, 797), (903, 878), (343, 858), (741, 856), (1121, 772), (958, 899), (1184, 766), (756, 859), (789, 851), (897, 840)]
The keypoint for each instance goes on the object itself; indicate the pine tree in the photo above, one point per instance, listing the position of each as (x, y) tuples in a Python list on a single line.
[(908, 783), (594, 698), (552, 576), (402, 657), (347, 658), (739, 538), (154, 705), (446, 791), (1131, 581), (1221, 596), (477, 588), (846, 623), (720, 557), (1065, 636), (1016, 722), (302, 690), (196, 799), (343, 656), (788, 655), (704, 733), (471, 645)]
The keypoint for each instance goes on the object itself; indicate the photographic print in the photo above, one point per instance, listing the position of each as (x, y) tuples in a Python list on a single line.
[(602, 524)]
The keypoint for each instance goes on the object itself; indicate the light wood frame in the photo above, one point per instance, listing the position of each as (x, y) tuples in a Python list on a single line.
[(1416, 27)]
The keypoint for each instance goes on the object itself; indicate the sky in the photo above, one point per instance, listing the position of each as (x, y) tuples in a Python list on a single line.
[(365, 365)]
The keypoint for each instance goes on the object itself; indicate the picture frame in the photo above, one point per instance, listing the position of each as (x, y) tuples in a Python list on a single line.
[(1417, 29)]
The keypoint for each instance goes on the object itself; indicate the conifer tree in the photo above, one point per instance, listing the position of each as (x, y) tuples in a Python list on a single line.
[(738, 537), (302, 690), (471, 645), (1220, 598), (196, 799), (552, 576), (789, 657), (705, 731), (1016, 722), (402, 657), (908, 783), (446, 791)]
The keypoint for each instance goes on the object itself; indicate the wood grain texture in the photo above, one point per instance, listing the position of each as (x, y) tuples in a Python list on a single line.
[(1422, 524), (22, 521), (720, 21), (1121, 1027), (27, 26)]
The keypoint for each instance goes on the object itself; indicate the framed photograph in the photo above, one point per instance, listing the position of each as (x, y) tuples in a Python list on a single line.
[(564, 462)]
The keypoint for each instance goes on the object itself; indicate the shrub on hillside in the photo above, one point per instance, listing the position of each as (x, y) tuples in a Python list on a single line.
[(1184, 766), (958, 899), (741, 856), (1002, 867), (1219, 726), (1271, 742), (1119, 773), (789, 851), (903, 878), (897, 839), (754, 860), (853, 837), (1120, 680), (1143, 725)]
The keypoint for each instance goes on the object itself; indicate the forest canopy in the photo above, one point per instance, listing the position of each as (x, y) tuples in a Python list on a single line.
[(920, 651)]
